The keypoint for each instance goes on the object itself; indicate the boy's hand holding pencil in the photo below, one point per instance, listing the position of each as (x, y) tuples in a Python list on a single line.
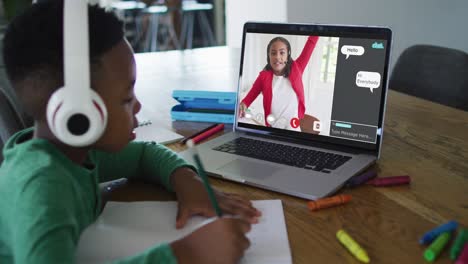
[(221, 241), (193, 200)]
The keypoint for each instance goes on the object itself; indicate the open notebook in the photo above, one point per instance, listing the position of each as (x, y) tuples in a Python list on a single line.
[(148, 131), (125, 229)]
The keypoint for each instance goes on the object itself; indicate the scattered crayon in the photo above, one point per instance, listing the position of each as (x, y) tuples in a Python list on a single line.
[(361, 179), (390, 181), (329, 202), (431, 253), (457, 246), (431, 235), (463, 258), (352, 246)]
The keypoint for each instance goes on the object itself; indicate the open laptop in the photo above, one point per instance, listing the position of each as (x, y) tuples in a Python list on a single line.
[(337, 129)]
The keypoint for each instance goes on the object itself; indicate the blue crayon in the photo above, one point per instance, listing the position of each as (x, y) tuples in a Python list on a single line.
[(431, 235), (361, 179)]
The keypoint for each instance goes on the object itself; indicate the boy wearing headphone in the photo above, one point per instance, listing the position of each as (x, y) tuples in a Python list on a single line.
[(49, 180)]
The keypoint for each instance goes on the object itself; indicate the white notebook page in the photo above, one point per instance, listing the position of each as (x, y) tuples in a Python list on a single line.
[(126, 229)]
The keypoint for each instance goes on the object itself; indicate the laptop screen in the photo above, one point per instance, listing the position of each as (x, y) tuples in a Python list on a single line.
[(314, 82)]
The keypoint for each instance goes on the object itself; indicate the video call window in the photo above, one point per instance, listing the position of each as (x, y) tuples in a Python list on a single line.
[(332, 88)]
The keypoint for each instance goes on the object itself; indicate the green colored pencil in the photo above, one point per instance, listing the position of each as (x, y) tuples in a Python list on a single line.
[(202, 174)]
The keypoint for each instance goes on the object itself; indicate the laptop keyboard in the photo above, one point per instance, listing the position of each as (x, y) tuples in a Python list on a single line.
[(284, 154)]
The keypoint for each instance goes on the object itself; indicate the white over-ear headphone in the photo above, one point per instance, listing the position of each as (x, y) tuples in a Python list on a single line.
[(76, 114)]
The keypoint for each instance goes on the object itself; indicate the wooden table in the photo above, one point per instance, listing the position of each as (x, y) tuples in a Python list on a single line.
[(422, 139)]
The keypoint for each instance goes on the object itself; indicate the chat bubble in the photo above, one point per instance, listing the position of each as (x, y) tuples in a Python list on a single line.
[(367, 79), (352, 50)]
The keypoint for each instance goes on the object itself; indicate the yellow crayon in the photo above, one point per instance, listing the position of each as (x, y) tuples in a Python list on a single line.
[(352, 246)]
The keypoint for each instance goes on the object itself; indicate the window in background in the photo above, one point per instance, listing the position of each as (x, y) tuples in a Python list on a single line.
[(330, 55)]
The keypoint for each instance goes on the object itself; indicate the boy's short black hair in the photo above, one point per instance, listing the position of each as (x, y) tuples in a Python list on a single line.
[(33, 50)]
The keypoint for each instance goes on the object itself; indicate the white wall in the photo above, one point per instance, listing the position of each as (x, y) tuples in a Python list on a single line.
[(240, 11), (435, 22)]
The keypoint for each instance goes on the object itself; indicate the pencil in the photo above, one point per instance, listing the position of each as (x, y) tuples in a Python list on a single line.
[(202, 174), (207, 134), (198, 133)]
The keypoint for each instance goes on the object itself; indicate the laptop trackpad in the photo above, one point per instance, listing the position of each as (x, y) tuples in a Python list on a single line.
[(248, 169)]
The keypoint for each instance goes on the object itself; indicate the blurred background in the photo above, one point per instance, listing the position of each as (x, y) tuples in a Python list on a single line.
[(157, 25)]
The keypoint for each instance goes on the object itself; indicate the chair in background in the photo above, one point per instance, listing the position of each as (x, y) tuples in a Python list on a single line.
[(12, 116), (154, 25), (149, 24), (434, 73), (10, 121), (158, 14), (190, 9), (130, 13)]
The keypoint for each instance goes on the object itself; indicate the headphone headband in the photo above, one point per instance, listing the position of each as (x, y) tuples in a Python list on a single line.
[(76, 46), (76, 114)]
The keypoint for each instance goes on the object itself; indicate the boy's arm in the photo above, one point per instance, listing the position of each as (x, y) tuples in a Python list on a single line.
[(45, 228), (159, 254), (144, 160), (48, 218)]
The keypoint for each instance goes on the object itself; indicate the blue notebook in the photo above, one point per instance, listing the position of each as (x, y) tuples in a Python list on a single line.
[(204, 106)]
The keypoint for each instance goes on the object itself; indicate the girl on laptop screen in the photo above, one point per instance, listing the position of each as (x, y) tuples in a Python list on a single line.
[(280, 83)]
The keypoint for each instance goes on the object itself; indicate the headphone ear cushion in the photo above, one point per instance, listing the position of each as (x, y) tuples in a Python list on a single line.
[(100, 107), (76, 123), (53, 106)]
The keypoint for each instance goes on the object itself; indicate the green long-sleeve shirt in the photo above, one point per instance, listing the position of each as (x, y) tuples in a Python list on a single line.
[(46, 200)]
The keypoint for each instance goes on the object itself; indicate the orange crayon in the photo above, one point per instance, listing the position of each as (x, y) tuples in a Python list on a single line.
[(329, 202)]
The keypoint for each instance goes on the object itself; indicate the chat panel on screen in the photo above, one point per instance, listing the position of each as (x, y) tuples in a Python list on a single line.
[(358, 89)]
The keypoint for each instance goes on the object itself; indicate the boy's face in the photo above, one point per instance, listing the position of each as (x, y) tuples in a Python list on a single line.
[(114, 81)]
